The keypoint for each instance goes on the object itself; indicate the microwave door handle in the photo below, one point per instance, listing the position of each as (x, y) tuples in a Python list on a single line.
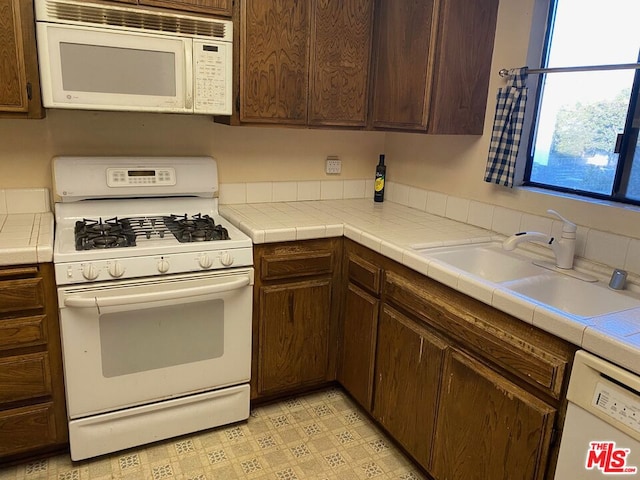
[(122, 300), (188, 67)]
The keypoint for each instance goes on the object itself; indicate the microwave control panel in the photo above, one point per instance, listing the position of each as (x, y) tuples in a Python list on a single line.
[(212, 77)]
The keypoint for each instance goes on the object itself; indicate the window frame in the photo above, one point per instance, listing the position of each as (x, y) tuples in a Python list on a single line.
[(628, 144)]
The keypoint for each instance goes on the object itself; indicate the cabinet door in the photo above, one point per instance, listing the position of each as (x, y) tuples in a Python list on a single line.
[(215, 7), (405, 35), (19, 83), (408, 367), (359, 332), (294, 335), (463, 66), (340, 54), (488, 427), (274, 61)]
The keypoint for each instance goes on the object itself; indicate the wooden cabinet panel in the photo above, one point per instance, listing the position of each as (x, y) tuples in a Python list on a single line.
[(515, 346), (488, 427), (364, 273), (274, 61), (27, 428), (357, 357), (340, 57), (294, 334), (19, 81), (215, 7), (21, 332), (33, 416), (13, 94), (23, 294), (296, 264), (409, 361), (25, 376), (463, 66), (405, 34)]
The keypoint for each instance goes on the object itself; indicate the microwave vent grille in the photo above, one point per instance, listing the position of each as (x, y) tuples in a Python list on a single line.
[(137, 19)]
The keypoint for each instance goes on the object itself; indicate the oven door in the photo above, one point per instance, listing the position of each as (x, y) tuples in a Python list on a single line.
[(134, 342)]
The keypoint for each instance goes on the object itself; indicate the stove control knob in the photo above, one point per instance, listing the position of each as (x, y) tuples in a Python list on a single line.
[(226, 259), (163, 266), (205, 261), (90, 271), (116, 270)]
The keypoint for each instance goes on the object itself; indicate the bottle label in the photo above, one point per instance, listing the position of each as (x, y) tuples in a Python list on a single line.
[(379, 184)]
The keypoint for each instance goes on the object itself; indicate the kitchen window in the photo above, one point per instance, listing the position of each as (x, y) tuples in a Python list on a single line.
[(585, 132)]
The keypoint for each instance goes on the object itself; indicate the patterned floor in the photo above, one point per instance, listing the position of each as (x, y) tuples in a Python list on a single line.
[(318, 436)]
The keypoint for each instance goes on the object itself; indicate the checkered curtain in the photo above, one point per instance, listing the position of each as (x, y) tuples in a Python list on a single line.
[(507, 129)]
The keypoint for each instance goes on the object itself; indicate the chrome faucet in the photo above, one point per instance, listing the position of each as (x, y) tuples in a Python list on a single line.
[(563, 249)]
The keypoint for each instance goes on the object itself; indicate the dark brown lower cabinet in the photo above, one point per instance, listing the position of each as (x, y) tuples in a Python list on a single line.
[(488, 427), (408, 364), (358, 348), (295, 334), (469, 392)]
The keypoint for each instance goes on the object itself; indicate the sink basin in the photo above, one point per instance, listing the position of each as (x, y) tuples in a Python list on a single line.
[(573, 296), (488, 261)]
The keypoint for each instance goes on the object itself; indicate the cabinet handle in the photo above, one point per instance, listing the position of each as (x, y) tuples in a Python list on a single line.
[(29, 91)]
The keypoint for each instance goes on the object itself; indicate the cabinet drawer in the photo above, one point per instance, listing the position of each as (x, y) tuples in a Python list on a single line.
[(24, 376), (534, 356), (22, 332), (26, 428), (364, 273), (22, 294), (274, 267)]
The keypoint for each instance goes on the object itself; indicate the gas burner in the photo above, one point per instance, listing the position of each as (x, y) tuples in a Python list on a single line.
[(197, 228), (97, 234)]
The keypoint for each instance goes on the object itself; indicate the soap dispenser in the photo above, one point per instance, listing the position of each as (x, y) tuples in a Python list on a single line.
[(381, 170)]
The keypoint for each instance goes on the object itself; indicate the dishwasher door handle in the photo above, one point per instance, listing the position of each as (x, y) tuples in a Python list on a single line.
[(177, 294)]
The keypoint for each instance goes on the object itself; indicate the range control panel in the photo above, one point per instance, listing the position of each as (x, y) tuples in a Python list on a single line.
[(127, 177), (625, 408)]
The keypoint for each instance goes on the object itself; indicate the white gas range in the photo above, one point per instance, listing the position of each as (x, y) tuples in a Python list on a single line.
[(155, 297)]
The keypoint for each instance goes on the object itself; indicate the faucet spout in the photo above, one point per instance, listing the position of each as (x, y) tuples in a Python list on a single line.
[(517, 238)]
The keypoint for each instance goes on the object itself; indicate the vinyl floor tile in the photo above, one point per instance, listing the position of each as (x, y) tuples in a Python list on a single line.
[(320, 436)]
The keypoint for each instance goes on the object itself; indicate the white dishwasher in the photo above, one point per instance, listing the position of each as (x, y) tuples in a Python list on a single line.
[(601, 435)]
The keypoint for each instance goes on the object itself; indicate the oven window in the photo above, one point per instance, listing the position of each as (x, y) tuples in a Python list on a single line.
[(141, 340), (104, 69)]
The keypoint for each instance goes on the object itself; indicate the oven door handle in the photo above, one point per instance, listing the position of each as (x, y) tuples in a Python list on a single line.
[(121, 300)]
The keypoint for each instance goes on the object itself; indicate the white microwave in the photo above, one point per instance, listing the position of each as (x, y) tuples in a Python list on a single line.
[(103, 57)]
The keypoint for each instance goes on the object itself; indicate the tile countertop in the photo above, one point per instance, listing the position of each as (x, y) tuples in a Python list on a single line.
[(391, 229), (26, 227)]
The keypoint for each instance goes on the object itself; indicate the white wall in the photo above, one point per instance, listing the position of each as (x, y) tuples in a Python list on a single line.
[(449, 164)]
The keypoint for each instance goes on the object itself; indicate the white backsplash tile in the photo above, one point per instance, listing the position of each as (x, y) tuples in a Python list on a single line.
[(354, 189), (260, 192), (607, 248), (535, 223), (285, 191), (632, 261), (28, 200), (233, 193), (457, 209), (3, 202), (418, 198), (480, 214), (309, 190), (506, 221), (437, 203), (331, 189), (400, 194)]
